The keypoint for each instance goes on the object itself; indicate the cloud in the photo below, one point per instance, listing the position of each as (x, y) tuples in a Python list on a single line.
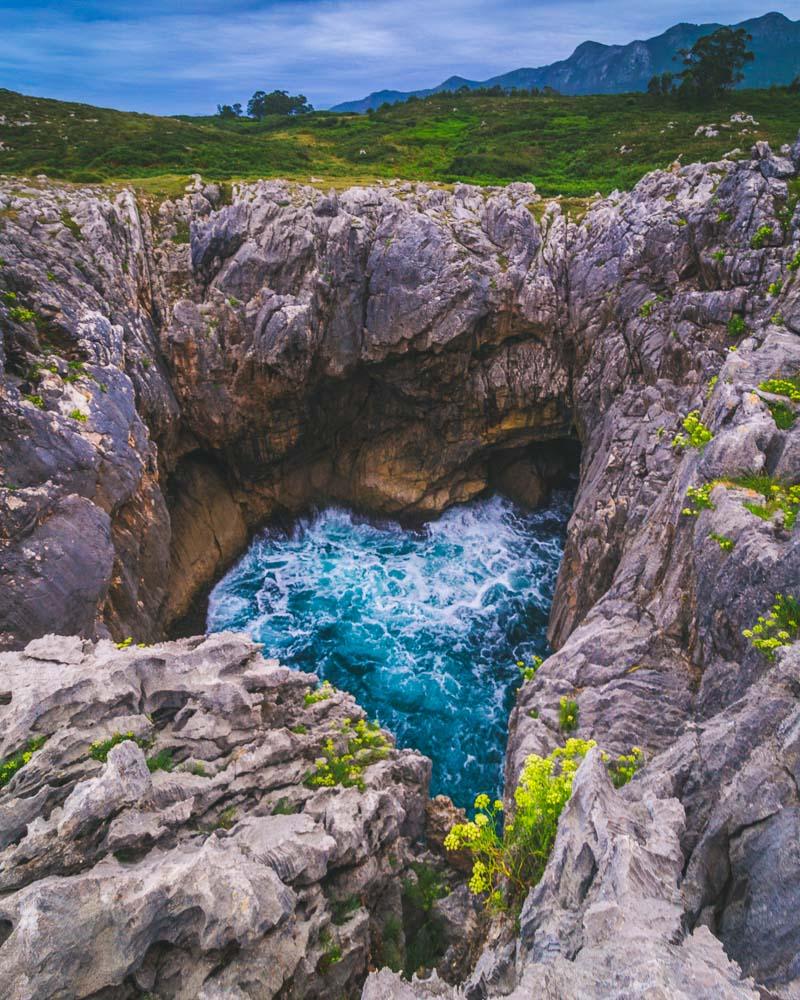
[(164, 58)]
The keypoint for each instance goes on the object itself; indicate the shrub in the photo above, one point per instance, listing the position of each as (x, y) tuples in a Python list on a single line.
[(343, 909), (775, 288), (725, 543), (78, 415), (625, 767), (529, 672), (778, 628), (100, 748), (789, 387), (507, 862), (364, 744), (777, 496), (324, 691), (71, 224), (783, 415), (36, 399), (226, 818), (736, 326), (162, 761), (760, 237), (718, 255), (18, 760), (331, 955), (724, 217), (568, 715), (794, 263), (21, 315), (697, 434), (700, 499)]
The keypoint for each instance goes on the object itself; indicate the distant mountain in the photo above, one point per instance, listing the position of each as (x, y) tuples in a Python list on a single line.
[(614, 69)]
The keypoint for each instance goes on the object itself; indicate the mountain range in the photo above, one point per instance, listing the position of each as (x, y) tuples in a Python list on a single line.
[(594, 68)]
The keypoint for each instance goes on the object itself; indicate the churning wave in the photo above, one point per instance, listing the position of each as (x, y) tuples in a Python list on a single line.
[(424, 627)]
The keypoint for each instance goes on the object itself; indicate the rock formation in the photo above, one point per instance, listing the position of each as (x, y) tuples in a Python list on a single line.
[(174, 374)]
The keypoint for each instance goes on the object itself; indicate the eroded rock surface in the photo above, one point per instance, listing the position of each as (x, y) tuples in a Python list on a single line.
[(221, 875)]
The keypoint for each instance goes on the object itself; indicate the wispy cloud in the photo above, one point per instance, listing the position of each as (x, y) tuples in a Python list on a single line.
[(163, 57)]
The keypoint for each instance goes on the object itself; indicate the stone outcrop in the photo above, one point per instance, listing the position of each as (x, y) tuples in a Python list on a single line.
[(213, 872), (400, 349)]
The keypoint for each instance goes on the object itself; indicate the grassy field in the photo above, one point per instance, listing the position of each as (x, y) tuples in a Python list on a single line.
[(565, 145)]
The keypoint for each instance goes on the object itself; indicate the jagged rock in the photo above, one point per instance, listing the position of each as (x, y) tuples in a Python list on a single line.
[(225, 867), (606, 920)]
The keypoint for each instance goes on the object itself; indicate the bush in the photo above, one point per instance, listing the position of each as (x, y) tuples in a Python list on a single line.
[(700, 499), (736, 326), (529, 672), (568, 715), (78, 415), (507, 863), (365, 744), (325, 690), (760, 237), (697, 434), (100, 748), (778, 628), (18, 760), (625, 767)]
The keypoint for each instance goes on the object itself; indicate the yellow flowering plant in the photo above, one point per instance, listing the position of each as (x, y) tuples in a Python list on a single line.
[(510, 857)]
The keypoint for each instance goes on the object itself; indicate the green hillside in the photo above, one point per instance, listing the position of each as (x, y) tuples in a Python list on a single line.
[(565, 145)]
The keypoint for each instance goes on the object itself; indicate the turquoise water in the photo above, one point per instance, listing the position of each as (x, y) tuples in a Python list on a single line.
[(424, 627)]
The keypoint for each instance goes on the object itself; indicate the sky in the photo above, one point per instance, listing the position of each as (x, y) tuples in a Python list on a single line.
[(185, 58)]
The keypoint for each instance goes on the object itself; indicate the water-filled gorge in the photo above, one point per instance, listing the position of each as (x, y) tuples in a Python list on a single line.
[(423, 626)]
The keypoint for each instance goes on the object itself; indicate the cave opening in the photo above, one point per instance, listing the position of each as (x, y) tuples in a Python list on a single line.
[(424, 622)]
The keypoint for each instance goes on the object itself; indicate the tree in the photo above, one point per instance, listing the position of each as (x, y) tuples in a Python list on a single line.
[(229, 110), (661, 86), (714, 64), (278, 102)]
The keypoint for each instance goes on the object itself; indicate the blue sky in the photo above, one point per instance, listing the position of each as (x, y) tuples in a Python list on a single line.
[(186, 57)]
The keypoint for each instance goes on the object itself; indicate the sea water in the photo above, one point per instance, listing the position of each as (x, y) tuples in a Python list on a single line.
[(424, 627)]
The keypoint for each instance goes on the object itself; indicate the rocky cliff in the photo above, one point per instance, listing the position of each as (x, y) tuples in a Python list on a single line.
[(175, 374)]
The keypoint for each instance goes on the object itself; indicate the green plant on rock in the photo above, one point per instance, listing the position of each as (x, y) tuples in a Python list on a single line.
[(18, 760), (363, 744), (19, 314), (71, 225), (700, 499), (162, 761), (725, 543), (35, 399), (777, 496), (323, 692), (625, 766), (712, 382), (778, 628), (736, 326), (343, 909), (783, 415), (794, 263), (760, 237), (724, 217), (226, 819), (789, 387), (697, 434), (78, 415), (567, 714), (332, 953), (100, 748), (718, 255), (510, 857), (528, 671), (775, 288)]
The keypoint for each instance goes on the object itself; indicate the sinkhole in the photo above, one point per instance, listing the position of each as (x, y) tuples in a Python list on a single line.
[(423, 626)]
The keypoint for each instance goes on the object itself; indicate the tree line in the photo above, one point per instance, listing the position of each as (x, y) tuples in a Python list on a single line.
[(261, 104)]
